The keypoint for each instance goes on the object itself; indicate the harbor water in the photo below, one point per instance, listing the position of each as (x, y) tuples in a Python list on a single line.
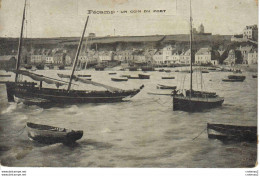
[(142, 131)]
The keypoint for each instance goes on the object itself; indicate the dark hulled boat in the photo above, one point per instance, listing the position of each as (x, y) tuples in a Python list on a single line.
[(119, 79), (168, 77), (191, 100), (235, 78), (50, 135), (232, 132), (29, 92), (196, 101), (143, 76)]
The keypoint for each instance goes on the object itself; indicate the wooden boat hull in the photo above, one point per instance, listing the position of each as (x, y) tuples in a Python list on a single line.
[(232, 132), (32, 94), (141, 76), (233, 80), (50, 135), (195, 104), (119, 79), (170, 77)]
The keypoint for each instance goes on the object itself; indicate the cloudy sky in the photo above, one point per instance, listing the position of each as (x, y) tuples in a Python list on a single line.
[(65, 18)]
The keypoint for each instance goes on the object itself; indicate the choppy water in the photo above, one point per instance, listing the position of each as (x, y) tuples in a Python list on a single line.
[(141, 132)]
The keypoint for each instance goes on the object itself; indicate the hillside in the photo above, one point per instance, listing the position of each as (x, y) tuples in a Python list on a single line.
[(10, 45)]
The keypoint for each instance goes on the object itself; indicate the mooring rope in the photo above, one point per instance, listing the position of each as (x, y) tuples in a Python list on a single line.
[(19, 132), (200, 133)]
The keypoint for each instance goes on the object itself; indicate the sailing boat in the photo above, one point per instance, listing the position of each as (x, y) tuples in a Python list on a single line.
[(191, 100), (30, 92)]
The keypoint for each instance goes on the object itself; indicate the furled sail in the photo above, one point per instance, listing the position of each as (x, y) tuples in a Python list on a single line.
[(110, 88), (38, 77)]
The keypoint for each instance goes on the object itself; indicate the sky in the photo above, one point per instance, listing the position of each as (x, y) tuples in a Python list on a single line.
[(66, 18)]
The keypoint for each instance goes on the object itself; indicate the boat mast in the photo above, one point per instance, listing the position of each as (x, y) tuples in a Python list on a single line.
[(190, 50), (20, 44), (77, 54)]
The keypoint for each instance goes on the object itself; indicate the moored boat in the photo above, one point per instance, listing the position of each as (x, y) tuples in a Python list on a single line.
[(168, 77), (254, 76), (232, 132), (119, 79), (32, 92), (5, 75), (160, 86), (235, 78), (112, 73), (204, 71), (80, 75), (143, 76), (194, 100), (50, 135)]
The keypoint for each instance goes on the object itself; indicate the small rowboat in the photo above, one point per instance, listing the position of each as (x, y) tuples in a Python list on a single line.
[(254, 76), (232, 132), (113, 73), (84, 75), (51, 135), (119, 79), (167, 71), (168, 77), (204, 71), (143, 76), (5, 75), (232, 80), (160, 86)]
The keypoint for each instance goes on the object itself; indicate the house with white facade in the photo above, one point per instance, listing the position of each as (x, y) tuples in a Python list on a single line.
[(158, 57), (253, 57), (244, 51), (185, 57)]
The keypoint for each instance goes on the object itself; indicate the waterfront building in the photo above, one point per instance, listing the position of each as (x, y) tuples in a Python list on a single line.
[(158, 57), (37, 56), (185, 57), (105, 56), (207, 56), (253, 57), (244, 51), (8, 62), (167, 54), (231, 59)]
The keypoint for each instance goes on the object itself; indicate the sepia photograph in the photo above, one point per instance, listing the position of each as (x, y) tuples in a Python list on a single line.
[(128, 84)]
